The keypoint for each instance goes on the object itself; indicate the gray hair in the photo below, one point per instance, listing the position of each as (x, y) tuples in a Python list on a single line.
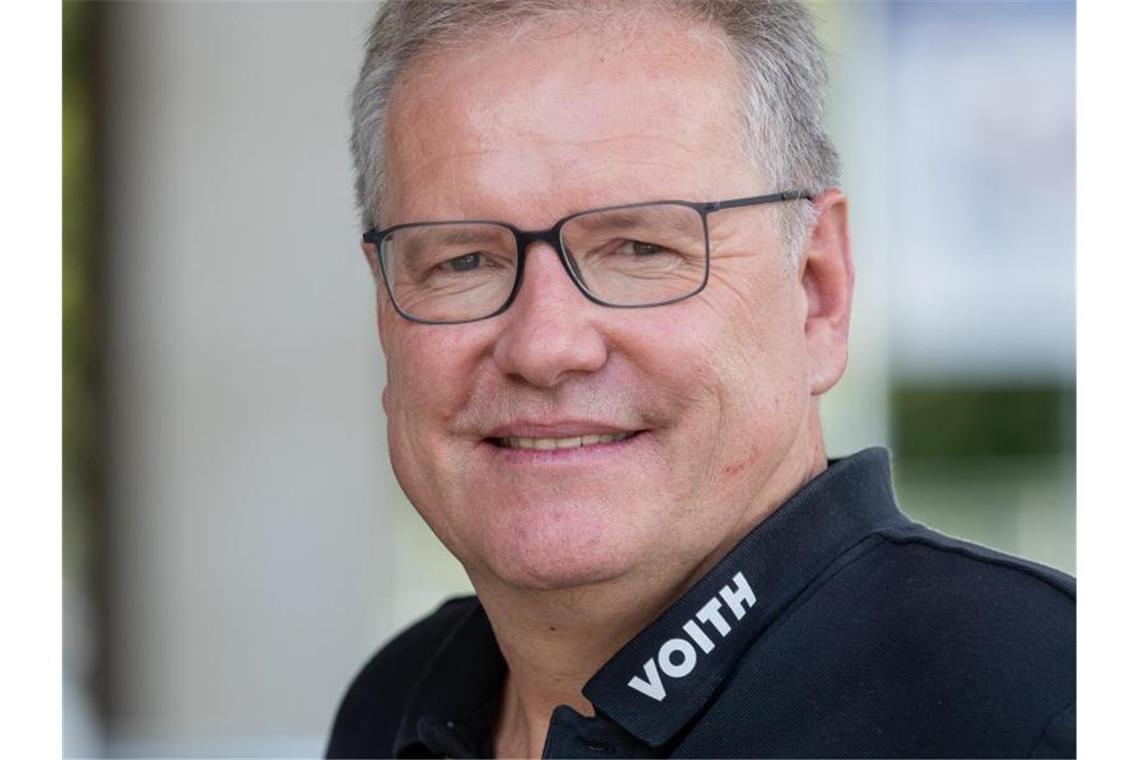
[(773, 41)]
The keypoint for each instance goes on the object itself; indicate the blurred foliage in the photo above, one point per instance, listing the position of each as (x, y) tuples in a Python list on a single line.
[(1021, 505), (982, 421), (990, 464), (80, 323)]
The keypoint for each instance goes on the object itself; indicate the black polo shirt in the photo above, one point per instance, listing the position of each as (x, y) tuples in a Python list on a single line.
[(836, 628)]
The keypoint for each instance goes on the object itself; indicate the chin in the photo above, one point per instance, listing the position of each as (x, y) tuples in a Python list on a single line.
[(549, 577), (555, 560), (556, 576)]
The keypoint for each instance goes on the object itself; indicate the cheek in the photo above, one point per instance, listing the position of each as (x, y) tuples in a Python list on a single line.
[(426, 386), (766, 375), (746, 378), (429, 381), (428, 370)]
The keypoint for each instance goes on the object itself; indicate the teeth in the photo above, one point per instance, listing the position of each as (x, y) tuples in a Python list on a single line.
[(549, 444)]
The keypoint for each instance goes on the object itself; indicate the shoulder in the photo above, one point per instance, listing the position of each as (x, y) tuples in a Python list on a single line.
[(1005, 625), (917, 644), (369, 715), (915, 567), (982, 644)]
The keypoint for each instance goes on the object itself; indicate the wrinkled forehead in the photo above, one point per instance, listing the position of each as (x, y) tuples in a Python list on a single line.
[(620, 107)]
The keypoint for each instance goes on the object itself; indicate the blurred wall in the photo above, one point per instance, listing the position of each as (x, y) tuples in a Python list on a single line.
[(259, 549)]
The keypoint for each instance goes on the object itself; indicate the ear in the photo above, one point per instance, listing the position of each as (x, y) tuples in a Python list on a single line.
[(828, 279), (373, 258)]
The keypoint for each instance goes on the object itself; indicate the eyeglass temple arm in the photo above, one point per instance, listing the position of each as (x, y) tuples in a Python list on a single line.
[(786, 195)]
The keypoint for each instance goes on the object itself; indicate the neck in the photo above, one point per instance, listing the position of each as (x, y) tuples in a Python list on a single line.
[(554, 641)]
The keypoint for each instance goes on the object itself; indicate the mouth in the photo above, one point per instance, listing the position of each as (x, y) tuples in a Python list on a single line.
[(568, 442)]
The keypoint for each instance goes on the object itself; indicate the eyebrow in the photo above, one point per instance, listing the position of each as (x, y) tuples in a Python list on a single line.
[(626, 218), (457, 234)]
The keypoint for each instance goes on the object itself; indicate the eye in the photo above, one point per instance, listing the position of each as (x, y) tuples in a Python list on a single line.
[(645, 249), (465, 263)]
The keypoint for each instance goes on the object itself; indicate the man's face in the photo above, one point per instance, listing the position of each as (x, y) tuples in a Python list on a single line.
[(715, 390)]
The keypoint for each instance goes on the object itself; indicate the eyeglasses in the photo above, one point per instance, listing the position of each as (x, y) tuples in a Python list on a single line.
[(631, 256)]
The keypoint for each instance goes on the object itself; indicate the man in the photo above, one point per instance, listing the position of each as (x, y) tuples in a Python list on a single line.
[(614, 281)]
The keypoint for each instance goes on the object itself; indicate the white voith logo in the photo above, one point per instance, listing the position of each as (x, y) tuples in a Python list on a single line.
[(667, 661)]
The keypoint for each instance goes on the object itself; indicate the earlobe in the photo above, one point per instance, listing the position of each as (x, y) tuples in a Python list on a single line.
[(827, 276)]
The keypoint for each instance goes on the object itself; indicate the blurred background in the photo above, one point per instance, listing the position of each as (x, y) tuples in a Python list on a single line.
[(235, 545)]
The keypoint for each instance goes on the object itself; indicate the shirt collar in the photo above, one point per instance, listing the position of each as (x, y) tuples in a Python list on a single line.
[(455, 703), (663, 677)]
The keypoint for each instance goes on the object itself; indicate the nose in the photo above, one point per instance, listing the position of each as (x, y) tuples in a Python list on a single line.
[(550, 331)]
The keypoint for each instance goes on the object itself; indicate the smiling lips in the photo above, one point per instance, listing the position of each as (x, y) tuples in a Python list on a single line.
[(549, 444)]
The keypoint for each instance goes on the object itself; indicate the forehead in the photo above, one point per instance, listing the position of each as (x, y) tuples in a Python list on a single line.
[(557, 114)]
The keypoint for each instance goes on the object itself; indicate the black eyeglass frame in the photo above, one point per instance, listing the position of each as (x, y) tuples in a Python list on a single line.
[(552, 236)]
